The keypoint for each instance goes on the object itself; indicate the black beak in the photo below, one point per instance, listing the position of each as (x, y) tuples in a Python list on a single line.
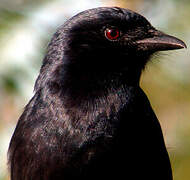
[(160, 42)]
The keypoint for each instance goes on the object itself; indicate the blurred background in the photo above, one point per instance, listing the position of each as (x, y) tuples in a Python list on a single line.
[(26, 28)]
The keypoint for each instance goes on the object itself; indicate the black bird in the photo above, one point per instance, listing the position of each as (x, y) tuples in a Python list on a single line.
[(89, 118)]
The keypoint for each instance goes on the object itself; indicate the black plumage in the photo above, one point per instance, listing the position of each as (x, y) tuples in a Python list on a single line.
[(89, 118)]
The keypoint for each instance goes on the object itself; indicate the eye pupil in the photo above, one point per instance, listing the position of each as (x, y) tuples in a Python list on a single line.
[(112, 33)]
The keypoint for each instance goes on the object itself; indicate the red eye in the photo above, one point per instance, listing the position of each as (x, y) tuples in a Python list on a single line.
[(112, 33)]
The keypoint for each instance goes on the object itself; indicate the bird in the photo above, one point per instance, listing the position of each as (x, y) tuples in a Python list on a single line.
[(89, 117)]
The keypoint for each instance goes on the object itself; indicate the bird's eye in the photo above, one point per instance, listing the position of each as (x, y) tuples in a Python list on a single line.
[(112, 33)]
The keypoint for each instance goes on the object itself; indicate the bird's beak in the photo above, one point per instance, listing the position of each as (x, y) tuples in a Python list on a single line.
[(160, 41)]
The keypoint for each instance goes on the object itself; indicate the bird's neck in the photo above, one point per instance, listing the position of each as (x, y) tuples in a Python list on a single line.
[(86, 80), (112, 91), (83, 82), (96, 85)]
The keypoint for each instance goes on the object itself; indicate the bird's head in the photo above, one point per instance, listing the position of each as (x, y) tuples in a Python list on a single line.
[(106, 44)]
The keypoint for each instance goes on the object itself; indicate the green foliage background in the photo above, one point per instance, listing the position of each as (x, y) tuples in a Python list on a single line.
[(27, 26)]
